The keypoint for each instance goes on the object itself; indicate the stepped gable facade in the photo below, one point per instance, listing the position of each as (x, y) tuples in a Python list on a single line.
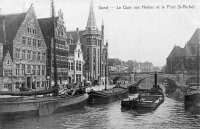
[(62, 47), (23, 52)]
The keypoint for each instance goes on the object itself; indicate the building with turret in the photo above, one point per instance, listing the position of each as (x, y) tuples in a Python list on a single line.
[(94, 49)]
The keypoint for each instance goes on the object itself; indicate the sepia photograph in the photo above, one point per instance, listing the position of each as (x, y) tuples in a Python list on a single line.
[(99, 64)]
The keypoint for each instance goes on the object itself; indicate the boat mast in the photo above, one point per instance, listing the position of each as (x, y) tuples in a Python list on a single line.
[(106, 58), (198, 62), (54, 50), (155, 80)]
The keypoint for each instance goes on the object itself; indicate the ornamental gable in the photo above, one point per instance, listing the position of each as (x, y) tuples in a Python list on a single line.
[(7, 62), (29, 33), (78, 52)]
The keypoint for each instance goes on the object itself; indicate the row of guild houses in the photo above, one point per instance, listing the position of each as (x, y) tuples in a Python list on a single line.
[(28, 44), (184, 60)]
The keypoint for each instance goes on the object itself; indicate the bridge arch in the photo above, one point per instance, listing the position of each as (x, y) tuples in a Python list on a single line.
[(160, 79)]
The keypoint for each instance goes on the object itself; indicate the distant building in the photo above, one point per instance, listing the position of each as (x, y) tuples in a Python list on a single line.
[(138, 67), (75, 61), (62, 48), (117, 66), (22, 52), (146, 67), (183, 60)]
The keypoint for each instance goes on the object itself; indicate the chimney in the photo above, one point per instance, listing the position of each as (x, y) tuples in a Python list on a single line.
[(77, 31)]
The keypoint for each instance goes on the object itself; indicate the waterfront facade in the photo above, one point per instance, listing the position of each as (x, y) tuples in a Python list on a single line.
[(75, 61), (23, 52), (62, 48), (183, 60)]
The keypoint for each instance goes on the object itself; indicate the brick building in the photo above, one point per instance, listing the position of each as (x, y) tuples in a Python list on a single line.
[(23, 52), (62, 47)]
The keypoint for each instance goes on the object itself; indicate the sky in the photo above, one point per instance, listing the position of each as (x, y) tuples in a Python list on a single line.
[(143, 34)]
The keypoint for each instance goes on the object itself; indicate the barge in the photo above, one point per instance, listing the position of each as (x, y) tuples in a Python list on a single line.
[(148, 100)]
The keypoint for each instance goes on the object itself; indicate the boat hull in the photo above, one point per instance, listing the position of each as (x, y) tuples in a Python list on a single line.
[(151, 104), (192, 102), (40, 107), (104, 97)]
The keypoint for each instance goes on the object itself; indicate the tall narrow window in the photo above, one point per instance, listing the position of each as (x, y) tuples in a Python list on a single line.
[(72, 66), (17, 69), (38, 70), (43, 70), (23, 40), (43, 56), (23, 54), (38, 84), (23, 69), (34, 55), (28, 68), (77, 65), (39, 43), (28, 54), (33, 70), (69, 67), (17, 53), (29, 41), (38, 56), (34, 42)]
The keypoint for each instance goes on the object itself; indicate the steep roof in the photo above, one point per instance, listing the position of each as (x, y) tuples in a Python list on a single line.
[(9, 25), (187, 51), (12, 23), (72, 47), (46, 27), (91, 23), (176, 52), (195, 37), (74, 36)]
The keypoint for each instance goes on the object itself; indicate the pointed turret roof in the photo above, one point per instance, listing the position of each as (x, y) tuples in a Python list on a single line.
[(91, 23)]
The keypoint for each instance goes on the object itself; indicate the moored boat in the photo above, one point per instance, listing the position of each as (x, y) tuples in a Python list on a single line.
[(107, 96), (192, 99), (40, 106), (149, 100), (146, 102), (192, 95)]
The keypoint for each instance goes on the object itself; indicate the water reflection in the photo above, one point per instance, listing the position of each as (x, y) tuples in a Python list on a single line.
[(171, 114)]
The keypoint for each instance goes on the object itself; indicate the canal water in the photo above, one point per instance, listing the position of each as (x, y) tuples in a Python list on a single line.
[(169, 115)]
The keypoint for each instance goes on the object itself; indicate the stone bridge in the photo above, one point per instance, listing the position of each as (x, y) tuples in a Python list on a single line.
[(175, 79)]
